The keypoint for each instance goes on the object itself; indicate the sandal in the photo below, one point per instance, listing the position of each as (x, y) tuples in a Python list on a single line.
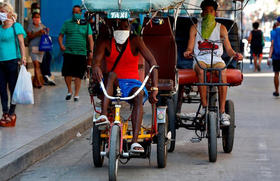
[(4, 118), (136, 148), (101, 120), (10, 121)]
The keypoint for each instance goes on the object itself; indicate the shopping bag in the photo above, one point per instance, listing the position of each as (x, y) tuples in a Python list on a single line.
[(45, 43), (23, 93)]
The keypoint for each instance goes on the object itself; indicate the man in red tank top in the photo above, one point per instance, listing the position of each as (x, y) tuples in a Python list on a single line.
[(125, 73)]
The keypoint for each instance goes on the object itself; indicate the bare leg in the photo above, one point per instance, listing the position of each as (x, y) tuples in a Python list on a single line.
[(137, 114), (255, 63), (37, 73), (223, 92), (77, 86), (68, 81), (112, 78), (202, 89), (276, 81)]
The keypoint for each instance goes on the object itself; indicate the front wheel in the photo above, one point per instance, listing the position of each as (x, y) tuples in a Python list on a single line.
[(212, 136), (161, 145), (228, 132), (114, 152)]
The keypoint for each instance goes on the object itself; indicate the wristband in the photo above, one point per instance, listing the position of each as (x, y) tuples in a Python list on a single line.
[(154, 89)]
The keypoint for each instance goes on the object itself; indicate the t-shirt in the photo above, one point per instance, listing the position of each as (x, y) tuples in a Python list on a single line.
[(275, 36), (75, 37), (33, 29), (7, 42)]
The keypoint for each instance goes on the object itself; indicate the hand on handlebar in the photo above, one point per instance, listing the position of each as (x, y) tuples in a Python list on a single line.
[(97, 73), (238, 56), (188, 54), (153, 97)]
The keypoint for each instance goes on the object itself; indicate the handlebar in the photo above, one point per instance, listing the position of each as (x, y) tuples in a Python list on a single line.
[(135, 94)]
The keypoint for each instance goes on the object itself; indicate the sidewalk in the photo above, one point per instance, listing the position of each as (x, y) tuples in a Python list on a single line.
[(43, 127)]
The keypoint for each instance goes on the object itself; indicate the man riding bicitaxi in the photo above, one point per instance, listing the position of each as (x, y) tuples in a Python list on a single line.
[(199, 44), (125, 74)]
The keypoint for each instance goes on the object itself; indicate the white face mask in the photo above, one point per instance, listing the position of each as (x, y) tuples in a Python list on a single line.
[(3, 17), (121, 36)]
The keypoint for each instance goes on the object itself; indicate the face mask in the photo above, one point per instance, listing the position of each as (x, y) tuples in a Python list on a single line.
[(36, 21), (121, 36), (76, 17), (208, 25), (36, 11), (3, 17)]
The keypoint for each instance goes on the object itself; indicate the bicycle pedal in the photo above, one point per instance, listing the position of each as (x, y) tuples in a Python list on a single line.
[(195, 140)]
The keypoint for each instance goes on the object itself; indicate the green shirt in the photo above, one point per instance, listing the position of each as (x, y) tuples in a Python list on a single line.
[(75, 37)]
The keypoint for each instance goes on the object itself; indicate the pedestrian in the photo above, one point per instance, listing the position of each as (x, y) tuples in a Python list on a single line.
[(12, 51), (256, 40), (34, 32), (200, 33), (274, 53), (75, 51)]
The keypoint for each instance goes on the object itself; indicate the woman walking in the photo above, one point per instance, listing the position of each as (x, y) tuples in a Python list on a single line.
[(12, 52)]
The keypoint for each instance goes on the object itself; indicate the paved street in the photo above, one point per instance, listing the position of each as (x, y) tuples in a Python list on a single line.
[(255, 155)]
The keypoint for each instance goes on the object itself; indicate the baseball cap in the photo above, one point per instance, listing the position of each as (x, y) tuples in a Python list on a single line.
[(278, 19)]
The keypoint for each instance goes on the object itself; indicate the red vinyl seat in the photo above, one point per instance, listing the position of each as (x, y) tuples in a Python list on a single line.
[(188, 76)]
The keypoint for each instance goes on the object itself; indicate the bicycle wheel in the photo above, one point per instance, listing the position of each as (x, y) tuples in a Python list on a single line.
[(114, 152), (228, 132), (171, 123), (161, 145), (212, 136), (98, 145)]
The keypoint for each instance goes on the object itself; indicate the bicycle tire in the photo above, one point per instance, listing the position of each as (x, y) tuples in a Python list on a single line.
[(212, 136), (98, 145), (228, 132), (114, 153)]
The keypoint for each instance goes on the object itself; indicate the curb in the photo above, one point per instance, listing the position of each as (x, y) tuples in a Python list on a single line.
[(18, 160)]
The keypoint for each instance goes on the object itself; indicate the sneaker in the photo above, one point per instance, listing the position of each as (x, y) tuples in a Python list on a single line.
[(76, 98), (49, 81), (225, 119), (276, 94), (68, 96)]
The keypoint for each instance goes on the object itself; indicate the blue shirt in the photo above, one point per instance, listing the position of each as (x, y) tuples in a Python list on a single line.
[(275, 36), (7, 42)]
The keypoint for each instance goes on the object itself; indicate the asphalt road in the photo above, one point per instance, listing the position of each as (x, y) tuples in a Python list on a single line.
[(255, 155)]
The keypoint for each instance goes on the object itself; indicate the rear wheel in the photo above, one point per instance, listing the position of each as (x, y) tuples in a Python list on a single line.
[(161, 145), (114, 152), (171, 123), (228, 132), (98, 145), (212, 136)]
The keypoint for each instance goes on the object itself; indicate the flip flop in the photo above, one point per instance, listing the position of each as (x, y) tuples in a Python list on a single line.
[(99, 121), (135, 145)]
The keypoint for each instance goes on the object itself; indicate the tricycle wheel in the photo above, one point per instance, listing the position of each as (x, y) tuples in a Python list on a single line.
[(171, 123), (228, 132), (161, 145), (114, 152), (98, 145), (212, 136)]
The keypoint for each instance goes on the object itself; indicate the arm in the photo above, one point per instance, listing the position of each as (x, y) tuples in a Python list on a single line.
[(271, 49), (148, 56), (97, 59), (250, 38), (191, 41), (22, 49), (60, 41), (36, 34), (91, 44), (229, 50)]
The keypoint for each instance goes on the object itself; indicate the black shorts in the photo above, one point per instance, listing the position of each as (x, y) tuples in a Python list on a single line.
[(74, 65), (276, 65)]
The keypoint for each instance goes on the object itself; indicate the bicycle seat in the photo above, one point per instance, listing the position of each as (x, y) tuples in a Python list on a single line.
[(188, 76)]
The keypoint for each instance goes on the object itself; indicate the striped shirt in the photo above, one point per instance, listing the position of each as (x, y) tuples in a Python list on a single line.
[(75, 37)]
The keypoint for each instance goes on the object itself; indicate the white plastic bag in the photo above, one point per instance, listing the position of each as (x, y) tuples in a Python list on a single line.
[(23, 93)]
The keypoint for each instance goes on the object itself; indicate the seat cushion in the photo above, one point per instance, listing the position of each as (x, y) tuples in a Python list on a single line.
[(188, 76)]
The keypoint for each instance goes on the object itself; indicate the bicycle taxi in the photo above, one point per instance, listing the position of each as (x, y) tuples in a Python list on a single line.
[(207, 126), (114, 140)]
